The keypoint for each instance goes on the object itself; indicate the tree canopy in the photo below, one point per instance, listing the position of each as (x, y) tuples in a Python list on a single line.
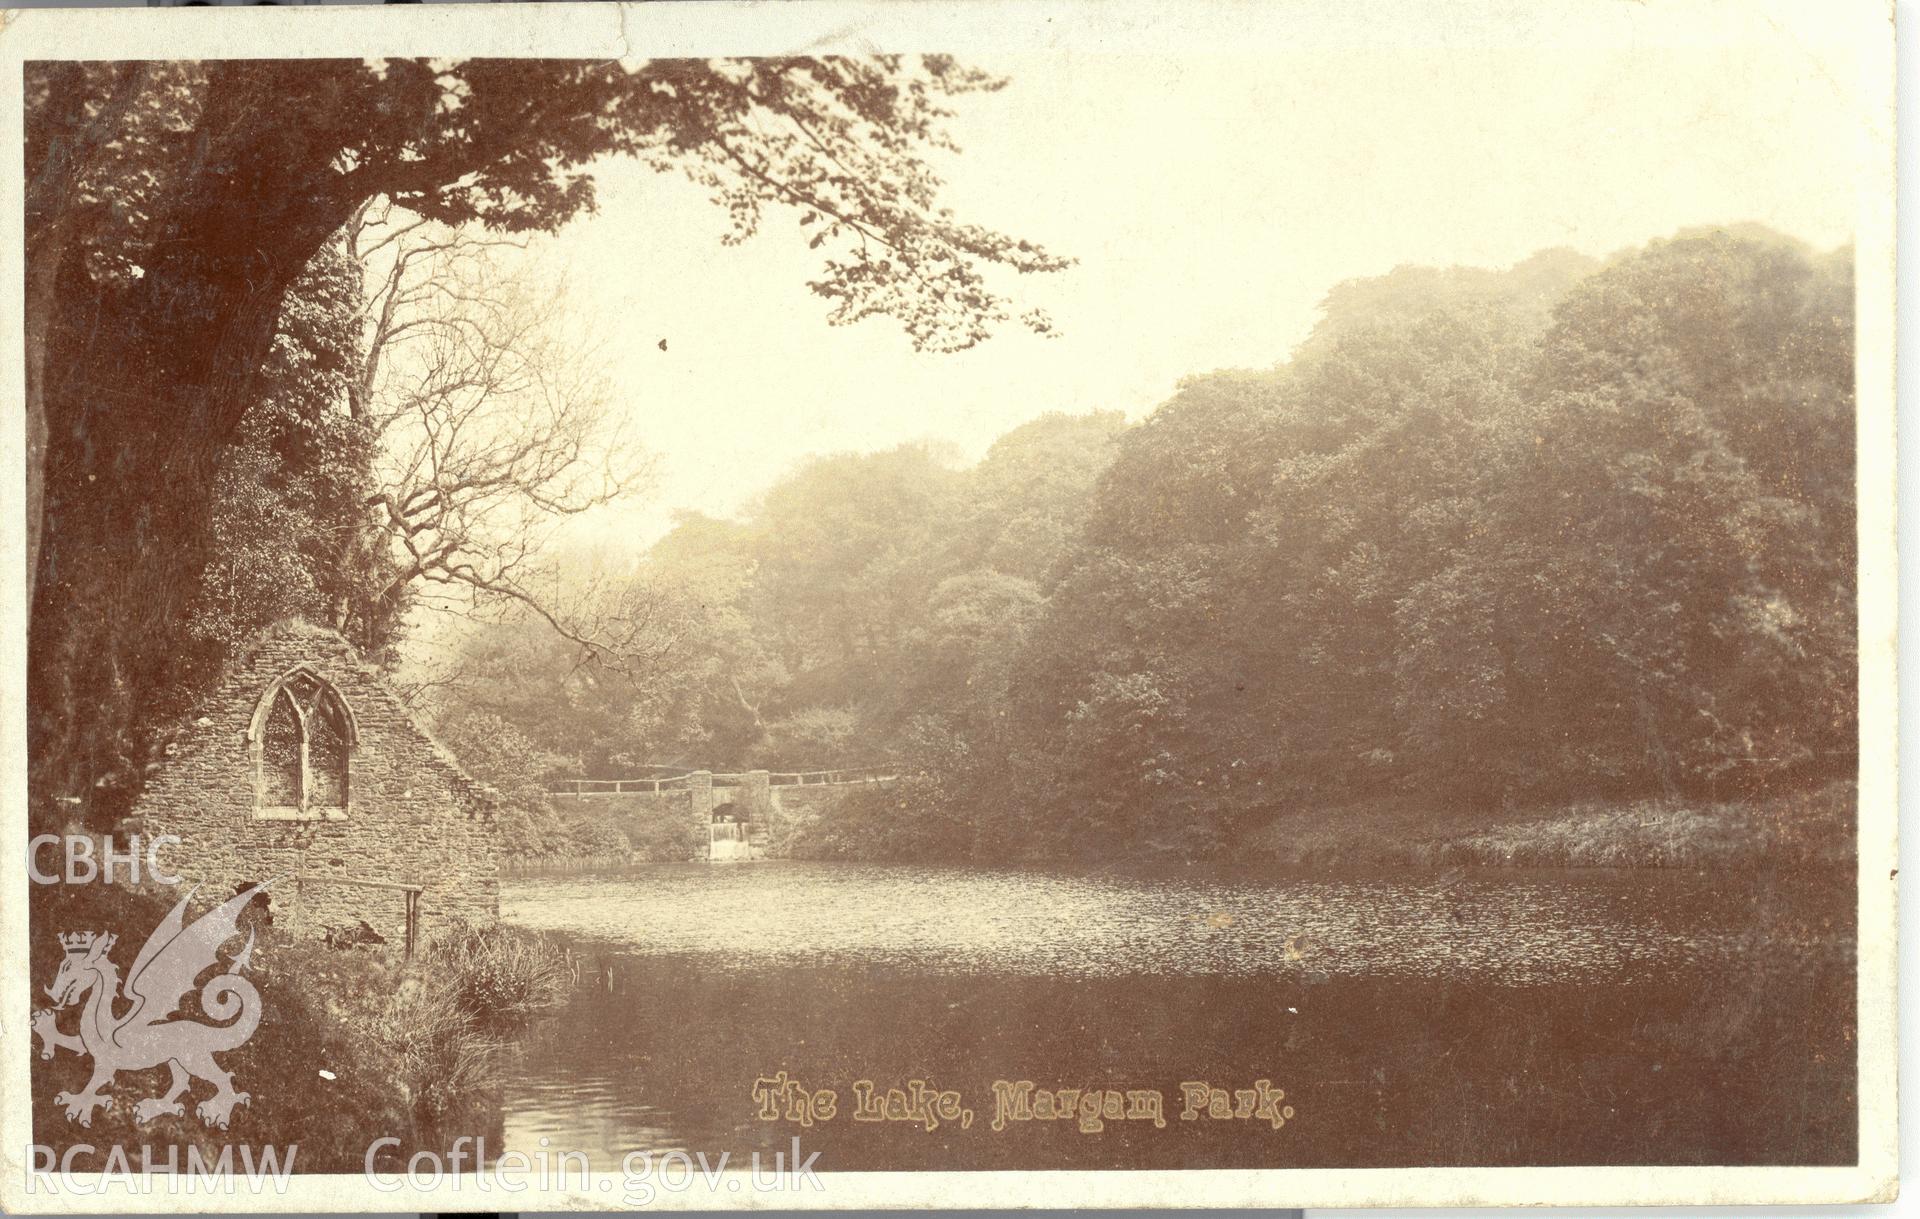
[(1576, 530), (172, 206)]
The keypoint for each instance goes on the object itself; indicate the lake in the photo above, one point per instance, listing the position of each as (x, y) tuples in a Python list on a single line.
[(1484, 1016)]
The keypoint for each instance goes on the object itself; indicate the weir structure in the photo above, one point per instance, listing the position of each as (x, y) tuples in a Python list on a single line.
[(737, 811)]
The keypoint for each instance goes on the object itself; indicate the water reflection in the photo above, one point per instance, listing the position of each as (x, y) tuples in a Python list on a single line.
[(1491, 1017), (1520, 927)]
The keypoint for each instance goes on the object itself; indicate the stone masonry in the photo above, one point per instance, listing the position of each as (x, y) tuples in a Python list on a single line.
[(303, 768)]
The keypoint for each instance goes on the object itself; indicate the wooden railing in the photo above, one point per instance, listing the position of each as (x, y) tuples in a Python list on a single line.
[(614, 787), (723, 778), (846, 774), (411, 899)]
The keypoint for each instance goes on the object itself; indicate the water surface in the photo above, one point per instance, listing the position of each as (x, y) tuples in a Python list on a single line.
[(1473, 1016)]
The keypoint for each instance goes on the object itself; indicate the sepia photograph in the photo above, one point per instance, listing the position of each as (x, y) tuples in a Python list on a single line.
[(722, 606)]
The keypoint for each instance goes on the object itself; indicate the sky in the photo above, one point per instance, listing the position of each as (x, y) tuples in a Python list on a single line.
[(1210, 202)]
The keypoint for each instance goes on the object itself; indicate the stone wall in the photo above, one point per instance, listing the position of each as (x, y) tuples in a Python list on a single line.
[(410, 816)]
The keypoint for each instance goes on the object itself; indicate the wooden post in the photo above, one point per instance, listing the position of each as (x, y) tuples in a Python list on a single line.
[(413, 919)]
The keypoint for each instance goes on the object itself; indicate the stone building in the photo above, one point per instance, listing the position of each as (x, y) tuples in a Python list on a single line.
[(302, 767)]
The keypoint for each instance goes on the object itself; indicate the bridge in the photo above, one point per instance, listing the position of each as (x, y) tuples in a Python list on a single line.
[(718, 778), (738, 813)]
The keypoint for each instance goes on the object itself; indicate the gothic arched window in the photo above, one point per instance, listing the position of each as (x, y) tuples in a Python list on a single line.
[(302, 737), (280, 754), (327, 754)]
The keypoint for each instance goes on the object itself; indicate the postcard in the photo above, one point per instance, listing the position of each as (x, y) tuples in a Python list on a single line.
[(1019, 603)]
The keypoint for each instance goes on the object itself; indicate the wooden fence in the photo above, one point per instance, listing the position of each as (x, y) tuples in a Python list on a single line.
[(680, 782)]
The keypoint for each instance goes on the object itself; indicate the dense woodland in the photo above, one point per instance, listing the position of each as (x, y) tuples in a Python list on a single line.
[(1576, 531), (1580, 530)]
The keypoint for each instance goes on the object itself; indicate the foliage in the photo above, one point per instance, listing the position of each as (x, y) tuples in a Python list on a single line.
[(794, 741), (662, 834), (1553, 537), (408, 1048), (907, 820), (863, 592), (171, 207), (447, 1018), (285, 535), (1530, 289), (597, 838), (500, 977), (493, 750), (1795, 828), (1447, 551)]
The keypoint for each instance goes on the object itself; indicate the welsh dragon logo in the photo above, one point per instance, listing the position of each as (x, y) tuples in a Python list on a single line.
[(144, 1036)]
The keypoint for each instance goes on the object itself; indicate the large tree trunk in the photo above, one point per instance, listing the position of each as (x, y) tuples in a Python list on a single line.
[(40, 300), (142, 387), (70, 140)]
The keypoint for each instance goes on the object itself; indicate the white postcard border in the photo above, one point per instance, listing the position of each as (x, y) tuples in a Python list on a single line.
[(983, 27)]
